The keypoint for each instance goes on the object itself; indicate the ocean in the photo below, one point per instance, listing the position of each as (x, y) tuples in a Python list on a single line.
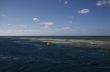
[(21, 55)]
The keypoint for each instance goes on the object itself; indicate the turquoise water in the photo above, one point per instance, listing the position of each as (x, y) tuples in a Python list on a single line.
[(27, 56)]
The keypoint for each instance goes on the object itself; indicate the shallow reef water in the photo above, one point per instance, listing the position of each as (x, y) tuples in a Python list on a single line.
[(17, 55)]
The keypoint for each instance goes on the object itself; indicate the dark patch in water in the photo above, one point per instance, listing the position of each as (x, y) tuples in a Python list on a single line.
[(25, 56)]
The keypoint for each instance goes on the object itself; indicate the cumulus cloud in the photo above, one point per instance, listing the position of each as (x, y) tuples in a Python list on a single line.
[(36, 19), (103, 2), (50, 27), (47, 25), (83, 11), (45, 28), (109, 2), (9, 24), (65, 2)]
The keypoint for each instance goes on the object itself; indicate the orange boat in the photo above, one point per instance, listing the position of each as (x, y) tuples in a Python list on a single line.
[(49, 43)]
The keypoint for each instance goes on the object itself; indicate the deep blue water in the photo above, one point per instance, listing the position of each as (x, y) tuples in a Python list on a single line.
[(26, 56)]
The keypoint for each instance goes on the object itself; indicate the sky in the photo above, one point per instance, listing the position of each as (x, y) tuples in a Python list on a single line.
[(54, 17)]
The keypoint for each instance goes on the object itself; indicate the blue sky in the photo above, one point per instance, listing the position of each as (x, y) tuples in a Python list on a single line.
[(54, 17)]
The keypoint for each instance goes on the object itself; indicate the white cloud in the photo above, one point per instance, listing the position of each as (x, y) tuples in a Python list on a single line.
[(109, 2), (103, 2), (45, 28), (65, 28), (65, 2), (14, 32), (37, 31), (47, 25), (36, 19), (83, 11), (14, 26), (9, 24)]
